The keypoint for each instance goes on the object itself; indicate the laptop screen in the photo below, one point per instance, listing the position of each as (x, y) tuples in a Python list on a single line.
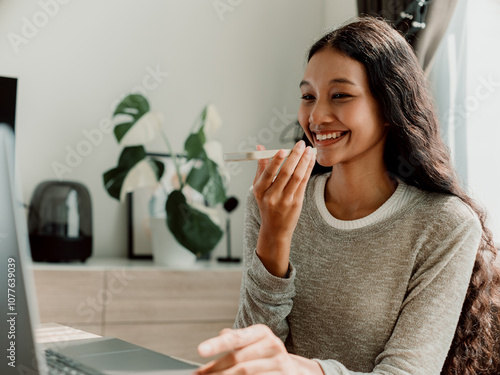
[(16, 336)]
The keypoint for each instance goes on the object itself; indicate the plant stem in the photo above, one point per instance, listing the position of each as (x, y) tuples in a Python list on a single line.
[(174, 159)]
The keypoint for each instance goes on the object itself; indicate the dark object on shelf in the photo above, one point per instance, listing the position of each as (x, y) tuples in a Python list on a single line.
[(139, 242), (60, 222), (230, 204), (8, 92)]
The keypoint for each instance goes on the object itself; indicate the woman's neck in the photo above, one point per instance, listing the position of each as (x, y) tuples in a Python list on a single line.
[(355, 191)]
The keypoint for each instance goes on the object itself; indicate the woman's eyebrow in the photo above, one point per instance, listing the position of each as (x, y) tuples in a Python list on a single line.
[(304, 83), (342, 80), (335, 80)]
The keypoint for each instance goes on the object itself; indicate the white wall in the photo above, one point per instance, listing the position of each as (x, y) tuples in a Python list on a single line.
[(84, 56), (481, 109), (338, 12)]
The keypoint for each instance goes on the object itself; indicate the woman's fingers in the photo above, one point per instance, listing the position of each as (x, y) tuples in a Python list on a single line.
[(289, 166), (297, 183), (251, 346), (264, 348), (232, 339), (267, 170)]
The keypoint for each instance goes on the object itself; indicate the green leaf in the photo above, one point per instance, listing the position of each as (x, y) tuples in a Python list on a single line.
[(204, 178), (194, 145), (192, 228), (207, 180), (129, 158), (214, 190), (198, 178), (133, 106), (203, 114), (158, 168), (121, 129), (113, 181)]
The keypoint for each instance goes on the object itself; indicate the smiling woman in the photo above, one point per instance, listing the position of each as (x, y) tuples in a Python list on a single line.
[(338, 113), (364, 269)]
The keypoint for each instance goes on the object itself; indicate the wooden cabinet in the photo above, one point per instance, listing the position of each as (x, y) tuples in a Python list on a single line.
[(169, 311), (63, 297)]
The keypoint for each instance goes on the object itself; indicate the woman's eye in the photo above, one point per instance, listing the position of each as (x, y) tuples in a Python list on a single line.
[(307, 97), (339, 96)]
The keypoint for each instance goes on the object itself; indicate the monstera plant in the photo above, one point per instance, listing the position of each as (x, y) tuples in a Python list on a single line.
[(135, 126)]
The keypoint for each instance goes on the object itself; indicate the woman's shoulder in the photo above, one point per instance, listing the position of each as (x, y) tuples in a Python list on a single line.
[(444, 209), (444, 226)]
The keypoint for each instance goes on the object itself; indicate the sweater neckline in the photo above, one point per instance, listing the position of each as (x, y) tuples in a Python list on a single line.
[(399, 198)]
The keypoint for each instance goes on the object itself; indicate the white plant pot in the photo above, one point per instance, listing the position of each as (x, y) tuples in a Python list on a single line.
[(166, 250)]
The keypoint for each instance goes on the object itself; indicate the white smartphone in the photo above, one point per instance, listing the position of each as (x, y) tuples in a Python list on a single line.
[(255, 155)]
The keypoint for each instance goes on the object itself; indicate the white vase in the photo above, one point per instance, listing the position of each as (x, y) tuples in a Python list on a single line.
[(166, 250)]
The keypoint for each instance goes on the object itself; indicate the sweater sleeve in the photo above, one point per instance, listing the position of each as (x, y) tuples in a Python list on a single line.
[(429, 314), (264, 298)]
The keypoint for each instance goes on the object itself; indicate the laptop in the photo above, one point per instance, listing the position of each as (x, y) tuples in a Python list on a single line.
[(20, 354)]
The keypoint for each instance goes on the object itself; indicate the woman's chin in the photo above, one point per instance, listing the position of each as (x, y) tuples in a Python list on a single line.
[(326, 162)]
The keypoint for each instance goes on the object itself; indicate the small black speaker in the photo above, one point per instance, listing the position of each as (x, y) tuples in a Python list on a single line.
[(60, 222)]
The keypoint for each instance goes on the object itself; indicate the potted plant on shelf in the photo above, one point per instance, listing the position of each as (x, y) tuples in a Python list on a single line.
[(199, 171)]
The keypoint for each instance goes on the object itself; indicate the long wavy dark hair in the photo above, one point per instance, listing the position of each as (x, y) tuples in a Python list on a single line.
[(415, 153)]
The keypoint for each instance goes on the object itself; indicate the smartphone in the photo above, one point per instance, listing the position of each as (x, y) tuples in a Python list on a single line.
[(255, 155)]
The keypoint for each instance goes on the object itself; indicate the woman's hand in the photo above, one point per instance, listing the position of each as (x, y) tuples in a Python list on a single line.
[(280, 197), (252, 350)]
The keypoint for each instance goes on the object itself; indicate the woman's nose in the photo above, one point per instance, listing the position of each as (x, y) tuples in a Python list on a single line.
[(321, 113)]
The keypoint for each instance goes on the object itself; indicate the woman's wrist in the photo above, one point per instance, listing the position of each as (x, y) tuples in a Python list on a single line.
[(274, 253)]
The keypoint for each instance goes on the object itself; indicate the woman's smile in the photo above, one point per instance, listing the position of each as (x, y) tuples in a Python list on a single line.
[(327, 138)]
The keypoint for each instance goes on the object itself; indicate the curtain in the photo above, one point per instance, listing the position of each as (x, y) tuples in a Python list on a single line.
[(425, 40), (441, 49), (389, 9), (448, 79)]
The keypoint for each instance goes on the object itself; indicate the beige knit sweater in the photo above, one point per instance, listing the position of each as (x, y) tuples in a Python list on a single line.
[(383, 298)]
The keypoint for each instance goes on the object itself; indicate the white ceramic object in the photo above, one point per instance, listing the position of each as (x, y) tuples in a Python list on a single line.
[(166, 250)]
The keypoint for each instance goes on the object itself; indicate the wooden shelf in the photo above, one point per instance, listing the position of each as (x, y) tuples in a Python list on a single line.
[(167, 310)]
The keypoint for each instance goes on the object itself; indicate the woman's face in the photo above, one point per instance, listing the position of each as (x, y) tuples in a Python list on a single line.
[(338, 112)]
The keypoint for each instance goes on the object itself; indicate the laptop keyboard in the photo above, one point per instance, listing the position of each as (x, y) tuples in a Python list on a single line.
[(59, 364)]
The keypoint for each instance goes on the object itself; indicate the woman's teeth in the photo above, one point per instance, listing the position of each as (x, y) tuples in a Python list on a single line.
[(325, 136)]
